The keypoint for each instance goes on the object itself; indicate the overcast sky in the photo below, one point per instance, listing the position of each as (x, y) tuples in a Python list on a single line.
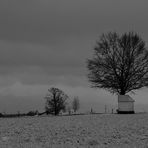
[(45, 43)]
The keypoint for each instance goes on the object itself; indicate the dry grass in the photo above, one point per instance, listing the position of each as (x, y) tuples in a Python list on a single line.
[(96, 131)]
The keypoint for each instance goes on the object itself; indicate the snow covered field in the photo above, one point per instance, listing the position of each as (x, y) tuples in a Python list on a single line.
[(81, 131)]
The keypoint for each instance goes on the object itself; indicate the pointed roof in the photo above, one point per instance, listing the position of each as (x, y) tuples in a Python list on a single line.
[(125, 98)]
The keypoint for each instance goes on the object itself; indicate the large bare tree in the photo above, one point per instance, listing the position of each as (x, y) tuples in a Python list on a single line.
[(119, 64), (55, 101)]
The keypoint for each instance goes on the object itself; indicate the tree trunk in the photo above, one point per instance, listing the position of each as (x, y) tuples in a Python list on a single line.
[(122, 92)]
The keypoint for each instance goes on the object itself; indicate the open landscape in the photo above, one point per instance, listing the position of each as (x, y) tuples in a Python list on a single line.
[(73, 74), (79, 131)]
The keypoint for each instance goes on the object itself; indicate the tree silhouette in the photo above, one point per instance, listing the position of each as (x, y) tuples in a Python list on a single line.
[(119, 64), (75, 104), (55, 101)]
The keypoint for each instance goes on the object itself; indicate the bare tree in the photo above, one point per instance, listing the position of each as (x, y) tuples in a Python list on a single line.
[(69, 110), (55, 101), (119, 64), (75, 104)]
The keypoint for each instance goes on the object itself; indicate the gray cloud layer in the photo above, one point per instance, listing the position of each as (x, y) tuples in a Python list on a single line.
[(38, 32), (54, 21), (47, 42)]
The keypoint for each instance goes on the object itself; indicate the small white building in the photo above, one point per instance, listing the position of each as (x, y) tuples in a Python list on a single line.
[(125, 104)]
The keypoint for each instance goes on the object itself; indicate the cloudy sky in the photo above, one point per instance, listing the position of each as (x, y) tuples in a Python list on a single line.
[(45, 43)]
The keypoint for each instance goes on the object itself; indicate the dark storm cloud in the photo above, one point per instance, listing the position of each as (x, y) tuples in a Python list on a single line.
[(57, 36), (55, 21), (60, 34), (35, 55)]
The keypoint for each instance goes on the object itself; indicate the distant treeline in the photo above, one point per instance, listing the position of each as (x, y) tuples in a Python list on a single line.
[(30, 113)]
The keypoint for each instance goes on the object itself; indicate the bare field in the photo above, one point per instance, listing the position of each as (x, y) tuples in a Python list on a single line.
[(81, 131)]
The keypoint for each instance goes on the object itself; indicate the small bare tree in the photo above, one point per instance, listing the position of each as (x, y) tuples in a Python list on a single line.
[(69, 110), (119, 64), (75, 104), (55, 101)]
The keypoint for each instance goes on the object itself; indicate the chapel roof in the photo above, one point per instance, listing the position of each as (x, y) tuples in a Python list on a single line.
[(125, 98)]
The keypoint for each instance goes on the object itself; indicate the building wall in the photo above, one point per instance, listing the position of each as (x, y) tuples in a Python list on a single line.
[(126, 106)]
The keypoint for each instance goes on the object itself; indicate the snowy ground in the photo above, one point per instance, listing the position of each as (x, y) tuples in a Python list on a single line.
[(81, 131)]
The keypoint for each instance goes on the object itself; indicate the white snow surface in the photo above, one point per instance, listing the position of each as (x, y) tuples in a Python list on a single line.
[(77, 131)]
